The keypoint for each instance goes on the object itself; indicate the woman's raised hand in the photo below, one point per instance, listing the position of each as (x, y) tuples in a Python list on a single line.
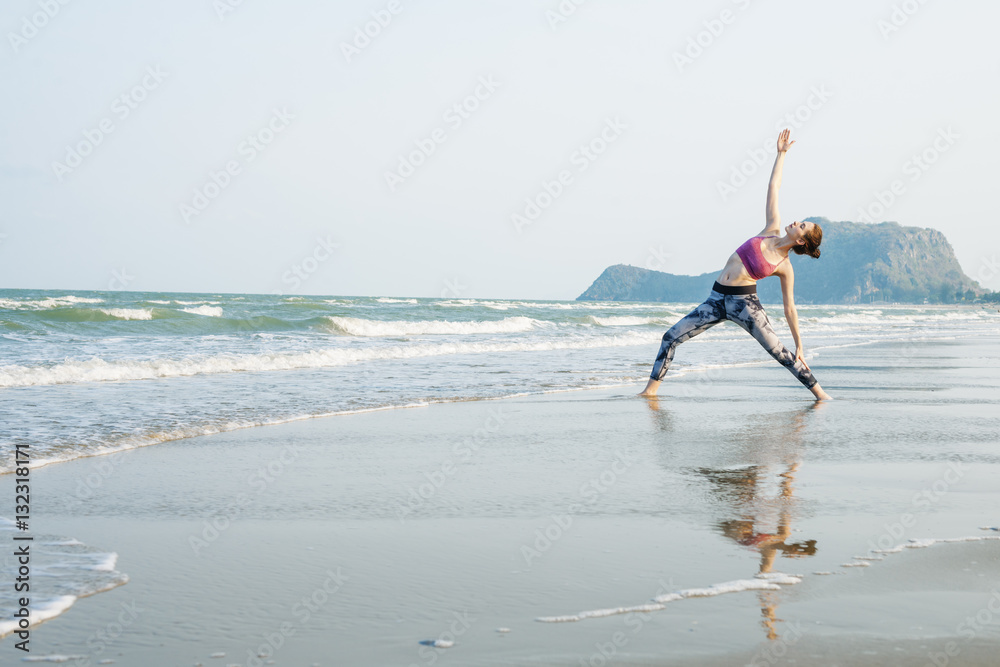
[(783, 143)]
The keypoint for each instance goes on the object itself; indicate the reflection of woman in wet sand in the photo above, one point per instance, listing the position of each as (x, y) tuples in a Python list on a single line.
[(741, 493), (734, 295), (745, 532)]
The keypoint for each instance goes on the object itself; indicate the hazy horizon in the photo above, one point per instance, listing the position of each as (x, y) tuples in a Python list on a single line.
[(450, 290), (214, 147)]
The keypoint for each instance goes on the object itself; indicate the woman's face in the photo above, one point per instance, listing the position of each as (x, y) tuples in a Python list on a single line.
[(798, 230)]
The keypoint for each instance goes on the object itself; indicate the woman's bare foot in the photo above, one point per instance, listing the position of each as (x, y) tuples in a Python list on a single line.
[(820, 394), (650, 390)]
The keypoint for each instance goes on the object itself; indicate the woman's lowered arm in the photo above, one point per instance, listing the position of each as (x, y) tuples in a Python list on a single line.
[(791, 315)]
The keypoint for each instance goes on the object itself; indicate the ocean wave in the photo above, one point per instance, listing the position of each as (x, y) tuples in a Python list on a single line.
[(128, 313), (385, 299), (454, 303), (883, 318), (100, 370), (890, 323), (551, 305), (481, 303), (628, 320), (207, 311), (212, 320), (6, 324), (87, 314), (355, 326), (46, 303)]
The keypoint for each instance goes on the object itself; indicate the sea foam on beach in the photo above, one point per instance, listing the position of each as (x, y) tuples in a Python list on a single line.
[(62, 570), (765, 581)]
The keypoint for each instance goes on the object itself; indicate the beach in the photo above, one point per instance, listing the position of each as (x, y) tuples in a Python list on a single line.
[(775, 530), (330, 334)]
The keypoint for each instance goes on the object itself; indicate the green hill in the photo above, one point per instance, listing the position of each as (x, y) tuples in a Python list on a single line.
[(860, 263)]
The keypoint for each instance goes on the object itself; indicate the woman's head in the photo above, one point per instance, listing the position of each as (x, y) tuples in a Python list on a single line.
[(807, 237)]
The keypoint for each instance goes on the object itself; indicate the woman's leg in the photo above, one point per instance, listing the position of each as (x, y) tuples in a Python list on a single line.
[(702, 318), (747, 311)]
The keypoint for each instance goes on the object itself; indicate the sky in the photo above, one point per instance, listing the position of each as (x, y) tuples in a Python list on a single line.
[(487, 149)]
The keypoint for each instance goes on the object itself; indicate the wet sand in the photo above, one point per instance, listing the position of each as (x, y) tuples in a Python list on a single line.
[(349, 540)]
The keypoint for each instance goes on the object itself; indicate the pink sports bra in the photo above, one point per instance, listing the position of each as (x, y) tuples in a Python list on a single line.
[(753, 258)]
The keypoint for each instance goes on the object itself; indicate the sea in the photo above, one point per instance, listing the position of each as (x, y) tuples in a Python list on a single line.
[(90, 373)]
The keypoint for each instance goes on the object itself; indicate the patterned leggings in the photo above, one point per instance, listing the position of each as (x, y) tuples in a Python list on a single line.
[(746, 311)]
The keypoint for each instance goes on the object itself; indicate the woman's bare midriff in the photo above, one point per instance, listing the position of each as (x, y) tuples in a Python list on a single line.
[(735, 274)]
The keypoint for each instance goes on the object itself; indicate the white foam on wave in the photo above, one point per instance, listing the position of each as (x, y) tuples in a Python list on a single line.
[(207, 311), (771, 581), (97, 369), (386, 299), (46, 303), (128, 313), (497, 305), (624, 321), (889, 319), (454, 303), (100, 370), (551, 305), (554, 306), (363, 327), (40, 611), (104, 562), (466, 303)]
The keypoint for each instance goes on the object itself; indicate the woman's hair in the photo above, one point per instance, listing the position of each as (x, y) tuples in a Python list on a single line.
[(812, 240)]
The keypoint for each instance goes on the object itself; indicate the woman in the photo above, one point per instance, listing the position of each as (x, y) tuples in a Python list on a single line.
[(734, 295)]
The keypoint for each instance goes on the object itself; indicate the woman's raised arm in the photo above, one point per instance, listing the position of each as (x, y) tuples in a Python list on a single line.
[(772, 217)]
